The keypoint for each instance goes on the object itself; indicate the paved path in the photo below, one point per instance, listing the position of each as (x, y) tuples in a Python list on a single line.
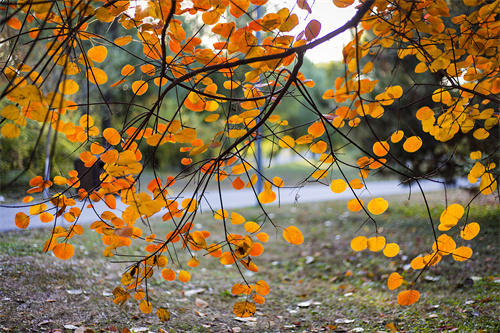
[(243, 198)]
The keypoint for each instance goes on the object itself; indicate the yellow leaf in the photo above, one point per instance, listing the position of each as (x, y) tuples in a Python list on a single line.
[(186, 135), (450, 217), (445, 244), (376, 243), (286, 142), (238, 288), (189, 205), (10, 131), (221, 214), (163, 314), (237, 218), (266, 197), (470, 231), (377, 206), (293, 235), (318, 147), (359, 243), (319, 174), (127, 279), (68, 87), (394, 281), (121, 296), (238, 169), (391, 250), (488, 184), (211, 118), (278, 182), (244, 309), (462, 253), (408, 297), (251, 227), (475, 155), (338, 186)]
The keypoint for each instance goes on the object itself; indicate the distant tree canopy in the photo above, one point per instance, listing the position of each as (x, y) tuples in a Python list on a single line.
[(127, 83)]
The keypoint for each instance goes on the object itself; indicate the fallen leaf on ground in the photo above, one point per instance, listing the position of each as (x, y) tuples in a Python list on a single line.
[(200, 303)]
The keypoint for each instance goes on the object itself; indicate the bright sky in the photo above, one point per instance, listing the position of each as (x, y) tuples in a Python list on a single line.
[(330, 17)]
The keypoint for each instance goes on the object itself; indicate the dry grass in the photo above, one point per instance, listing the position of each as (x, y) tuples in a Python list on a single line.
[(345, 290)]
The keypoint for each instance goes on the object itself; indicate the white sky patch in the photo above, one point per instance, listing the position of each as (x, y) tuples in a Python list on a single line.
[(330, 17)]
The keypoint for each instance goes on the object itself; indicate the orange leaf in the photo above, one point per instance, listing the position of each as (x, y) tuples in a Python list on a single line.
[(262, 288), (343, 3), (112, 136), (355, 205), (64, 251), (139, 87), (408, 297), (258, 299), (184, 276), (293, 235), (98, 53), (412, 144), (380, 148), (312, 30), (302, 4), (168, 274), (244, 309), (238, 184), (97, 75), (193, 262), (316, 129), (145, 306), (22, 220), (124, 40)]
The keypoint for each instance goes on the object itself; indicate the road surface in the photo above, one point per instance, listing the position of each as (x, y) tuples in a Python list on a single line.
[(243, 198)]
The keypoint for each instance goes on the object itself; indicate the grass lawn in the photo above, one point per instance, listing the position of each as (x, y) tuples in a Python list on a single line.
[(319, 286)]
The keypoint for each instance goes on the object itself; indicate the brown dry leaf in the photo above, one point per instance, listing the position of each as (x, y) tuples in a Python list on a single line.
[(200, 303)]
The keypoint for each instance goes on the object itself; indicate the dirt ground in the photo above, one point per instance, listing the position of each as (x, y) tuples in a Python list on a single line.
[(320, 286)]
